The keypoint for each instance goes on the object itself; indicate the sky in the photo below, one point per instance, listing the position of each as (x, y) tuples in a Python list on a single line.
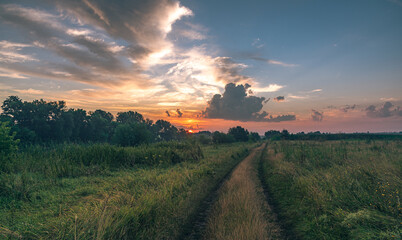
[(301, 65)]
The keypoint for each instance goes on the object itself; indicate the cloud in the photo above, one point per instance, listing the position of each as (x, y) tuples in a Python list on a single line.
[(234, 104), (117, 50), (84, 35), (317, 116), (279, 99), (192, 31), (297, 97), (348, 107), (257, 43), (269, 88), (387, 110), (179, 113), (29, 91), (229, 71), (315, 90), (10, 52), (271, 61)]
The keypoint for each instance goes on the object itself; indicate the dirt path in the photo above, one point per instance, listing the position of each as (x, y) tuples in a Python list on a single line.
[(241, 210)]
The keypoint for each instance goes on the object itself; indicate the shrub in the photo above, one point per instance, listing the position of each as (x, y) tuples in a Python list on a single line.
[(7, 142)]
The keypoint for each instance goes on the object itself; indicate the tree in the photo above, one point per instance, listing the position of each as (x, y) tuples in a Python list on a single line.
[(285, 134), (239, 133), (254, 136), (131, 134), (129, 117), (100, 126), (218, 137), (272, 134), (164, 130)]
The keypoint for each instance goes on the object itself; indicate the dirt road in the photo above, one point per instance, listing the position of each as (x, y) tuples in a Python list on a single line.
[(241, 210)]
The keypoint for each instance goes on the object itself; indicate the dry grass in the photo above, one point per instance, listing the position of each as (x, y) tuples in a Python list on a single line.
[(241, 211)]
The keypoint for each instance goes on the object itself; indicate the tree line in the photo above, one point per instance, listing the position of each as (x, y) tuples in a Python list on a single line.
[(40, 121), (318, 136)]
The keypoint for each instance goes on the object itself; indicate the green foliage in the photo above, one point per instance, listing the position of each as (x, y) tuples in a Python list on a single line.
[(218, 137), (336, 189), (254, 136), (44, 196), (204, 139), (130, 117), (7, 142), (240, 134), (49, 122), (164, 130), (131, 134)]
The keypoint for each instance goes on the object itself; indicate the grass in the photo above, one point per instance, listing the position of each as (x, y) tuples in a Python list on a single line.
[(240, 211), (336, 189), (77, 192)]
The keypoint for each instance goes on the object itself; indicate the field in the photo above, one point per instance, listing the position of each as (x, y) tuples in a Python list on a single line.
[(336, 189), (183, 190), (107, 192)]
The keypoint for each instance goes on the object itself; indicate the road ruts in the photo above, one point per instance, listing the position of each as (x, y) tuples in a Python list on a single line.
[(240, 210)]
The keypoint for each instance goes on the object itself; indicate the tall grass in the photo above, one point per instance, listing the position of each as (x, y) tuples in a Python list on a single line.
[(337, 190), (78, 192)]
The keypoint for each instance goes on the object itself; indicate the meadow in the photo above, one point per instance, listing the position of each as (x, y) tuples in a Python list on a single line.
[(101, 191), (335, 189)]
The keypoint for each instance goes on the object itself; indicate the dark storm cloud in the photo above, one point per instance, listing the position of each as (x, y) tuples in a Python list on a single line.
[(234, 104), (279, 98), (387, 110), (179, 113), (316, 115)]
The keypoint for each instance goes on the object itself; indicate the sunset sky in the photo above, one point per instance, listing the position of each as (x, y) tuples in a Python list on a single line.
[(301, 65)]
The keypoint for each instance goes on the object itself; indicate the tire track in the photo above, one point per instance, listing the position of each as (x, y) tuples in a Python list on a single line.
[(240, 209)]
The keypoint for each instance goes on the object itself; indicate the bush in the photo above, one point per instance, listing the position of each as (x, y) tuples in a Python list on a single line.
[(7, 142), (218, 137), (131, 134)]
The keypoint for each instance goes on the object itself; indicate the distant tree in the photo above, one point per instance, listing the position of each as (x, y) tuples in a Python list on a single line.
[(204, 139), (131, 134), (272, 134), (100, 126), (129, 117), (80, 126), (218, 137), (12, 107), (164, 130), (254, 136), (239, 133), (285, 134), (182, 134), (41, 117)]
